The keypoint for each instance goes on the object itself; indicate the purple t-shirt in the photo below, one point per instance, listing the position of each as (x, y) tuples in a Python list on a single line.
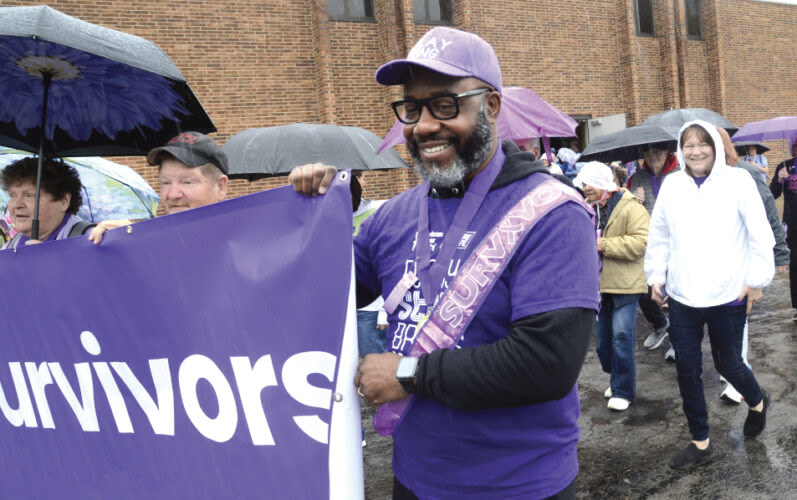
[(440, 452)]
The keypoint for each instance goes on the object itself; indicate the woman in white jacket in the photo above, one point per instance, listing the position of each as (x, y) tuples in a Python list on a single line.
[(710, 252)]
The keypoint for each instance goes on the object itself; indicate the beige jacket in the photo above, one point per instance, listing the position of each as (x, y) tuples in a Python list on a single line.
[(624, 241)]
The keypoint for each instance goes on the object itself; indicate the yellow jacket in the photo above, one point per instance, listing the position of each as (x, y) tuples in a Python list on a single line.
[(625, 238)]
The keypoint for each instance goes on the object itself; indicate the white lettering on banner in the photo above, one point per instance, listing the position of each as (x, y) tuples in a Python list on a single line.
[(115, 399), (84, 410), (24, 414), (251, 381), (159, 408), (39, 379), (161, 415), (294, 376), (222, 427)]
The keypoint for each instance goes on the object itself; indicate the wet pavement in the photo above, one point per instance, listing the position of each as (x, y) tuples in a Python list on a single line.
[(625, 454)]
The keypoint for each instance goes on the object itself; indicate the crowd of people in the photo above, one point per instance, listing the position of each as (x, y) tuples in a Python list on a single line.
[(509, 272), (694, 259)]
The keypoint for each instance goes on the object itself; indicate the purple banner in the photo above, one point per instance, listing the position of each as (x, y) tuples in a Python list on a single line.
[(203, 355)]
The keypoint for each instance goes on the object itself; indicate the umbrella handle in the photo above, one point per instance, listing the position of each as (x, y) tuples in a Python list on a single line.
[(546, 145), (34, 230)]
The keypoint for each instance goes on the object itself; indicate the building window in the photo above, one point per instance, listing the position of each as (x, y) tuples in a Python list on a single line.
[(350, 10), (433, 11), (694, 30), (643, 17)]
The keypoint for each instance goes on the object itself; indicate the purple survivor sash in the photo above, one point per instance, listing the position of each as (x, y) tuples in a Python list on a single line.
[(473, 283)]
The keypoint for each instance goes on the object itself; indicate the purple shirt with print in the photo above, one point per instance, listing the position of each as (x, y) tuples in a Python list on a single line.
[(525, 451)]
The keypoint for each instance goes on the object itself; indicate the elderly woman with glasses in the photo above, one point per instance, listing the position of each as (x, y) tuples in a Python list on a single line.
[(623, 229), (59, 201)]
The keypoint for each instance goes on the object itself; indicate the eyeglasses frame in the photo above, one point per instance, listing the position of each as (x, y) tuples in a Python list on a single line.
[(424, 103)]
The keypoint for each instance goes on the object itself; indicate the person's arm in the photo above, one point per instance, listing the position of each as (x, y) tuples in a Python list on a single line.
[(539, 361), (760, 236), (632, 244), (776, 184), (773, 217)]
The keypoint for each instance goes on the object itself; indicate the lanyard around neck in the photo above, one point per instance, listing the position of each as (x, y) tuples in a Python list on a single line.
[(431, 275)]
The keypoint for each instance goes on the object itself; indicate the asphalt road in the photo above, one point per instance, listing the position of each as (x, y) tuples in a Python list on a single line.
[(624, 455)]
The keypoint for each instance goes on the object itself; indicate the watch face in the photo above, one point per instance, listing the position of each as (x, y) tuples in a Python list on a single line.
[(406, 368)]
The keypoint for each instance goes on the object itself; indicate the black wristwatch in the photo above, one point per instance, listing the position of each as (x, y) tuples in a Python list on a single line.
[(406, 373)]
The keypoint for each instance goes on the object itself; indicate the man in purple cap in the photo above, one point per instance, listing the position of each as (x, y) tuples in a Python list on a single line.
[(192, 172), (486, 340)]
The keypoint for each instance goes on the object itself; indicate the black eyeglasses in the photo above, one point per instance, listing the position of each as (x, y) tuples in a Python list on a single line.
[(442, 107)]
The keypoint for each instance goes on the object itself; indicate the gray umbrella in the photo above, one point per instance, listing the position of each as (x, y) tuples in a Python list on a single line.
[(674, 119), (273, 151), (628, 144)]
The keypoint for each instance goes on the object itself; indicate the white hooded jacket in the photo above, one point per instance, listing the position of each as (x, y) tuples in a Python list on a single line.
[(707, 243)]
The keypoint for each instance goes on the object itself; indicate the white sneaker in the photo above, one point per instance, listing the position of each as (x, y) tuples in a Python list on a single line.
[(618, 404), (608, 393), (731, 395), (670, 355)]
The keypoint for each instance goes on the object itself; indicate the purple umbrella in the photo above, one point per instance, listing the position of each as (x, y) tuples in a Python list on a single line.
[(523, 115), (782, 127)]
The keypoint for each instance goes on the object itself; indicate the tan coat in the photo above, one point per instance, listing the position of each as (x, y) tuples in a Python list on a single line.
[(624, 241)]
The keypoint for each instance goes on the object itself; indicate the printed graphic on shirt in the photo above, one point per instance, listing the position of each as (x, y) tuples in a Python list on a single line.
[(413, 306), (466, 239)]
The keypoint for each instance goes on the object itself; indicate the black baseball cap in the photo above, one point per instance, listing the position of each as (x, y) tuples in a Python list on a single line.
[(193, 149)]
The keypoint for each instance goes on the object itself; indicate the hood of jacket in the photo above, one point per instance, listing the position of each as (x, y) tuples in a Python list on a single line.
[(719, 152)]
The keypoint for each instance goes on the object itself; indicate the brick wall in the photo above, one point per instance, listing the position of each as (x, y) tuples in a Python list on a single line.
[(272, 62)]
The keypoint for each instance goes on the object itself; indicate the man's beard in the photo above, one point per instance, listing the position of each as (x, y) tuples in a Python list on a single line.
[(470, 156)]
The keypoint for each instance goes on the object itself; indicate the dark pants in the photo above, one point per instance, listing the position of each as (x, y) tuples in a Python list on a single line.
[(651, 310), (791, 241), (401, 492), (725, 330)]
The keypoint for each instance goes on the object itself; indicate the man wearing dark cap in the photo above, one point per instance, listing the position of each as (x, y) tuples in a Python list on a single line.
[(192, 172), (489, 271)]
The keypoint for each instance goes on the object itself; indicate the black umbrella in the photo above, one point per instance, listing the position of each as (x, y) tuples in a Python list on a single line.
[(674, 119), (273, 151), (72, 88), (628, 144), (741, 147)]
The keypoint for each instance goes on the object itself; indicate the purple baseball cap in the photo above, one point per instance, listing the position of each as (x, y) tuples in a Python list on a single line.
[(448, 51)]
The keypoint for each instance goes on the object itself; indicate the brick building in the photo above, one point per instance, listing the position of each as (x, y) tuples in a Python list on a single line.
[(255, 63)]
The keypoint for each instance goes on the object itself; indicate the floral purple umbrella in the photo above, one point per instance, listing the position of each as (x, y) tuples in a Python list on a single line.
[(72, 88), (523, 115)]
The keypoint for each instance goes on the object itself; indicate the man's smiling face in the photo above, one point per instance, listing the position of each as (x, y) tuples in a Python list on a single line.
[(446, 152)]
